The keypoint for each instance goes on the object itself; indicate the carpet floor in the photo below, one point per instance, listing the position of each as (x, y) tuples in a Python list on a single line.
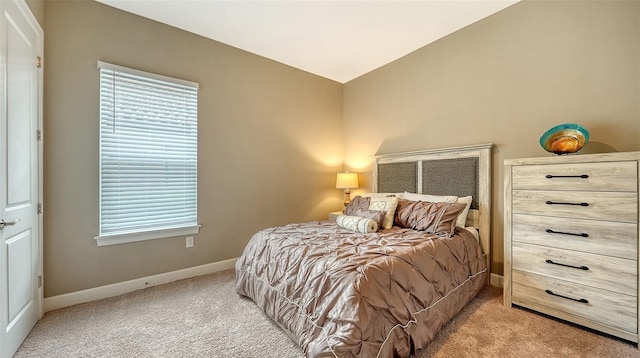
[(204, 317)]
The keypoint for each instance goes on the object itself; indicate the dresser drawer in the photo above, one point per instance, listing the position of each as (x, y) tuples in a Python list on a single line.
[(605, 272), (607, 176), (597, 237), (608, 206), (601, 306)]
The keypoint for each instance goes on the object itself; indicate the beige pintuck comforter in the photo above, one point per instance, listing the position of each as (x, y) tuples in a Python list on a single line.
[(343, 294)]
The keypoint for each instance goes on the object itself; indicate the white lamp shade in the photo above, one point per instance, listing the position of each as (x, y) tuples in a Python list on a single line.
[(347, 180)]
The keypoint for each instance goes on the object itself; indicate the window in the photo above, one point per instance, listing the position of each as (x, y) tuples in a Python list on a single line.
[(148, 156)]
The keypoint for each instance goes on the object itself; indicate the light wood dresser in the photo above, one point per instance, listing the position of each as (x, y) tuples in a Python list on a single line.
[(571, 239)]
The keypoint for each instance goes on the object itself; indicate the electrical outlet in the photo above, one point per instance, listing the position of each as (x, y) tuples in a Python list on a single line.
[(189, 241)]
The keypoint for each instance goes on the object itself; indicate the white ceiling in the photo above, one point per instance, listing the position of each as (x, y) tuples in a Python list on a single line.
[(339, 40)]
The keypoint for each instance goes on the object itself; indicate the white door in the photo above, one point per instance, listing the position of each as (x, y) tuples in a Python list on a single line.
[(20, 189)]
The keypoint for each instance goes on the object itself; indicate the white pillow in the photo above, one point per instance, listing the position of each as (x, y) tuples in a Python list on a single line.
[(386, 204), (462, 218), (357, 224), (429, 198), (378, 195)]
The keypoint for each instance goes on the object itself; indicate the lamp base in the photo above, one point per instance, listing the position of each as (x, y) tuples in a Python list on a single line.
[(347, 197)]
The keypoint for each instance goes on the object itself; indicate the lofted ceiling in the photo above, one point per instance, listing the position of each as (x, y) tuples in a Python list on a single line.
[(339, 40)]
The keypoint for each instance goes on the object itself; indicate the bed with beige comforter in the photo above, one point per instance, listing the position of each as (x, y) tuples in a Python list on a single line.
[(339, 293)]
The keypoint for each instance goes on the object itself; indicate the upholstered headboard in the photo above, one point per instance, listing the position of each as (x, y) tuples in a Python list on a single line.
[(459, 171), (456, 176)]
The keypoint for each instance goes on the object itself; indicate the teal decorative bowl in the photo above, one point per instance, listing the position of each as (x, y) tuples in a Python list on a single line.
[(564, 138)]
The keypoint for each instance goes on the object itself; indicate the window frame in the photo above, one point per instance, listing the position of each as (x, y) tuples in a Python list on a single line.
[(121, 237)]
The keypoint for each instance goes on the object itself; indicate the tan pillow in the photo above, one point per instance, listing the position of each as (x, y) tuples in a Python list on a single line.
[(432, 218), (386, 204), (462, 218)]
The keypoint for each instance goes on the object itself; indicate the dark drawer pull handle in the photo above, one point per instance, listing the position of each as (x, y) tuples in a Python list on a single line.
[(583, 176), (561, 203), (565, 265), (581, 300), (567, 233)]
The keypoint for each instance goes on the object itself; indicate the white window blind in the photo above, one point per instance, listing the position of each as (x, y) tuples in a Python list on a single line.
[(148, 154)]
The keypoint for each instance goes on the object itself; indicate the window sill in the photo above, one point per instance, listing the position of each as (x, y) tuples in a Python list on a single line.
[(116, 239)]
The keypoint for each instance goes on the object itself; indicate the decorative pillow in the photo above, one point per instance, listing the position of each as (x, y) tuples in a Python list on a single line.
[(430, 198), (358, 203), (357, 224), (433, 218), (403, 211), (377, 216), (387, 204), (462, 218)]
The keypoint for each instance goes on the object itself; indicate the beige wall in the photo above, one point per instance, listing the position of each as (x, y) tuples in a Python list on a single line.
[(505, 80), (37, 8), (272, 137), (270, 143)]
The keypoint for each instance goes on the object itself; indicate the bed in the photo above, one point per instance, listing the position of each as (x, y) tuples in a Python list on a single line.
[(338, 292)]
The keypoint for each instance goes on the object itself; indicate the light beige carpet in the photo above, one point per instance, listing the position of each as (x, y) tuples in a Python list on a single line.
[(204, 317)]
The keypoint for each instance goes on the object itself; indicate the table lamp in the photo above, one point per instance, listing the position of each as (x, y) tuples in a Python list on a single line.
[(347, 181)]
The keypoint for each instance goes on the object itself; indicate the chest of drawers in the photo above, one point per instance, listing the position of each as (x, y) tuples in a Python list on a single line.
[(571, 239)]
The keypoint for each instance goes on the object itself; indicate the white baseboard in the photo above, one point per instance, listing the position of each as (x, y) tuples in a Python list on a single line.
[(497, 280), (116, 289)]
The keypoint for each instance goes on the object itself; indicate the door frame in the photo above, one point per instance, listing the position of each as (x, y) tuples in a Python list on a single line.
[(24, 7), (40, 50), (39, 62)]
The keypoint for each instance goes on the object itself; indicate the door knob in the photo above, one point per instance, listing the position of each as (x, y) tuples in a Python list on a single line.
[(7, 223)]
